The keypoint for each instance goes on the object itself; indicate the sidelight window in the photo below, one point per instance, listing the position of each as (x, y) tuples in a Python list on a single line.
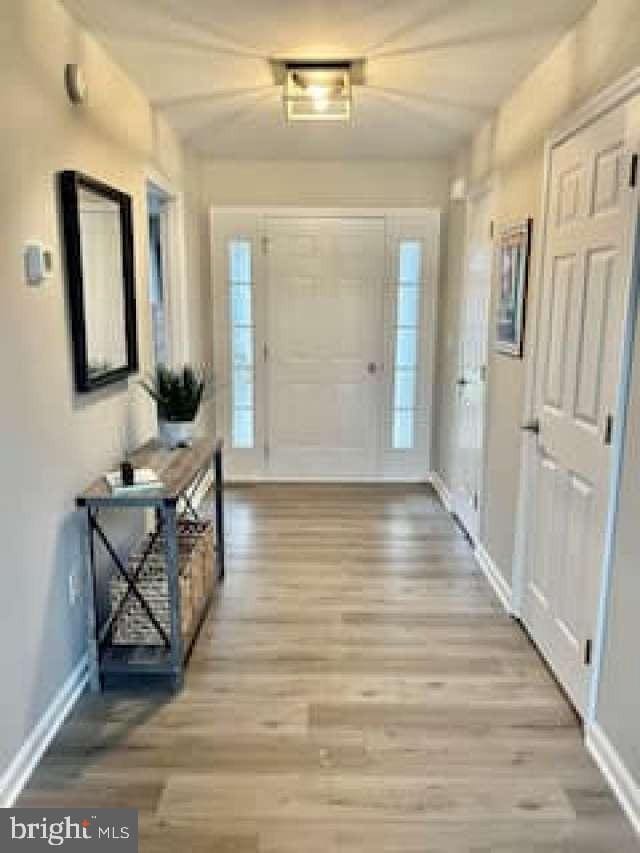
[(242, 345), (405, 368)]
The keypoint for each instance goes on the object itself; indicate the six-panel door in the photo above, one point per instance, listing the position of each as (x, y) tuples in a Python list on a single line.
[(578, 372)]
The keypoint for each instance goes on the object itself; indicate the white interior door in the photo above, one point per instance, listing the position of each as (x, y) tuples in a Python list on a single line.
[(325, 343), (578, 373), (472, 364)]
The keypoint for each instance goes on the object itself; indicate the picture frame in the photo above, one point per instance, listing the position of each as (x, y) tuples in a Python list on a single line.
[(513, 262)]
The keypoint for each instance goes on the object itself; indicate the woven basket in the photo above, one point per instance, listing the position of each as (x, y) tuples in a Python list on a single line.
[(195, 552)]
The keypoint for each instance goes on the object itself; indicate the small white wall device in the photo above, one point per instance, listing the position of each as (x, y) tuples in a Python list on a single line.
[(458, 190), (38, 263)]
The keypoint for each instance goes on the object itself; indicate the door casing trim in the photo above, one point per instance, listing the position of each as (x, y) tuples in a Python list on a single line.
[(175, 275), (430, 216)]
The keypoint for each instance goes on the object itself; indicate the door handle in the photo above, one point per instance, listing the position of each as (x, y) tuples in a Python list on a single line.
[(461, 382), (372, 368), (532, 426)]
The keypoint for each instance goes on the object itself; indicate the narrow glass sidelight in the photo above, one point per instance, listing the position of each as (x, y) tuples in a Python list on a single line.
[(405, 367), (242, 345)]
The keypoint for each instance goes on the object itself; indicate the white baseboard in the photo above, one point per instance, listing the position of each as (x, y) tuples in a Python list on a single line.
[(491, 571), (494, 576), (327, 481), (623, 785), (442, 490), (16, 776)]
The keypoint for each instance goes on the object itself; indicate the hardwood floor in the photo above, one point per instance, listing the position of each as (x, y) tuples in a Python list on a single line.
[(356, 688)]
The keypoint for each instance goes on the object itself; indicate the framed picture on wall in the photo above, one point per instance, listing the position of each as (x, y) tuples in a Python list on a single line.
[(514, 250)]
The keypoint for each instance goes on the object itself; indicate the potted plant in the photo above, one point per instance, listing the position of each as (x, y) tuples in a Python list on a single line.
[(178, 394)]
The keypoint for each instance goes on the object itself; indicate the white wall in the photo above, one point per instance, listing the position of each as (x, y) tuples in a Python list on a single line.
[(603, 46), (365, 183), (200, 306), (54, 441)]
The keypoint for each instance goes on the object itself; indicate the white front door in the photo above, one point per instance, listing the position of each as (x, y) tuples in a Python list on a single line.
[(324, 337), (472, 365), (578, 373), (325, 343)]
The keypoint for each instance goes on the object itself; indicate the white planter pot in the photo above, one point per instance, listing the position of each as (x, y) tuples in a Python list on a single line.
[(176, 433)]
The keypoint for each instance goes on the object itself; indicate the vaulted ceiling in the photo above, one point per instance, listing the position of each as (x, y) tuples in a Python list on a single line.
[(435, 69)]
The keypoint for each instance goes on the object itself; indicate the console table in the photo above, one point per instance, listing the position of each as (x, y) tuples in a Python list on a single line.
[(182, 472)]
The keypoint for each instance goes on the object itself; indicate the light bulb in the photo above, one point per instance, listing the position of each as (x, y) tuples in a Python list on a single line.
[(319, 97), (317, 91)]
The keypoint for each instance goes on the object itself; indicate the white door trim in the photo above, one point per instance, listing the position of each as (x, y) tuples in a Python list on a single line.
[(612, 96), (607, 100), (329, 212), (175, 274), (259, 216)]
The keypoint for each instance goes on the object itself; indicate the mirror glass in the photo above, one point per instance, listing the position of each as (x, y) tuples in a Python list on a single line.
[(103, 281)]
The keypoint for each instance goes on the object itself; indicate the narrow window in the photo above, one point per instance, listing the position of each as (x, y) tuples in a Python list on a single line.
[(157, 204), (242, 345), (405, 368)]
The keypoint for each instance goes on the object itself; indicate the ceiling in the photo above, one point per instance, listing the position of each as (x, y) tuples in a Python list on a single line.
[(435, 69)]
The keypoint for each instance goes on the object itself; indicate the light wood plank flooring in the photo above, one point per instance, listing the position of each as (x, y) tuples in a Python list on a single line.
[(356, 688)]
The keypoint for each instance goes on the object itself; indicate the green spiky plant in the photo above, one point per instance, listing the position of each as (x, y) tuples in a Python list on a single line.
[(178, 393)]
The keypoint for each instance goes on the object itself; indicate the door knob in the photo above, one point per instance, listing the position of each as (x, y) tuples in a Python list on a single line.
[(461, 382), (372, 368)]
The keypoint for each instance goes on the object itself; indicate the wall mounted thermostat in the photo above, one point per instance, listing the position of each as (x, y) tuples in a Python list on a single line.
[(38, 263)]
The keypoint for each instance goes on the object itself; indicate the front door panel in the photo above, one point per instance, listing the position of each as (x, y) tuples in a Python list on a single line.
[(324, 335)]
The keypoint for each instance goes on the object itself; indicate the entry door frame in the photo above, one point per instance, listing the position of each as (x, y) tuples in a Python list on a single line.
[(175, 263), (486, 189), (614, 96), (252, 221)]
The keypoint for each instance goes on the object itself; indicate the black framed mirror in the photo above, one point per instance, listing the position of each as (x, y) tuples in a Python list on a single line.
[(98, 236)]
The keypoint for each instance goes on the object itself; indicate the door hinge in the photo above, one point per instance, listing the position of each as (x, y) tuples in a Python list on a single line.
[(633, 178), (608, 430), (492, 229), (265, 351), (267, 451), (476, 502), (265, 244), (587, 652)]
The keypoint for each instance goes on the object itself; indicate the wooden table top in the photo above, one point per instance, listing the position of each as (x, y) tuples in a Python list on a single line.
[(177, 469)]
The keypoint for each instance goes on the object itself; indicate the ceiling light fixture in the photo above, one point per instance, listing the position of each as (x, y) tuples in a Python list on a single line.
[(317, 91)]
